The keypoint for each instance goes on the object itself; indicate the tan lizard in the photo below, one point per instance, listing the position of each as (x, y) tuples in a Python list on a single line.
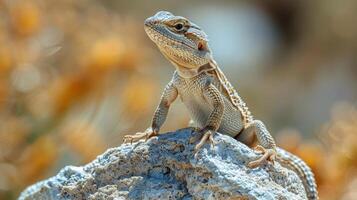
[(213, 103)]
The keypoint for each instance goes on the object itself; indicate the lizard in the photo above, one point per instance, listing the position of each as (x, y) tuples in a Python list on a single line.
[(213, 104)]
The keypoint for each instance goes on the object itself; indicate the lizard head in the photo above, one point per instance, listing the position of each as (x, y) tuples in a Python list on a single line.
[(180, 40)]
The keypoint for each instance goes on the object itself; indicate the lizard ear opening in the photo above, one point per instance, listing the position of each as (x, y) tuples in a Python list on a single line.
[(201, 46)]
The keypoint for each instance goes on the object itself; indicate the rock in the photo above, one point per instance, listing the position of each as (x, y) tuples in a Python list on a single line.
[(165, 167)]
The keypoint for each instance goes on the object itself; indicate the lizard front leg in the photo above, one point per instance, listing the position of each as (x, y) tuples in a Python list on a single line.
[(169, 95), (266, 142), (215, 118)]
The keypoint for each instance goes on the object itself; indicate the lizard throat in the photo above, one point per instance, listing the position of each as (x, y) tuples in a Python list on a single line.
[(185, 72)]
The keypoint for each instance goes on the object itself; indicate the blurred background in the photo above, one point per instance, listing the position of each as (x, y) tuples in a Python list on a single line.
[(77, 75)]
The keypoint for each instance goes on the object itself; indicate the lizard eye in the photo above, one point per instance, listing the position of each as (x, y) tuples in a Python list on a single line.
[(178, 26)]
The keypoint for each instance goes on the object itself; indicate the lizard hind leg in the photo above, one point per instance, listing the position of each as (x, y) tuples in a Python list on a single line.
[(268, 155), (266, 143)]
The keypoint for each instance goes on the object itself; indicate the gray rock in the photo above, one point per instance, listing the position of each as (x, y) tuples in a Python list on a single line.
[(165, 168)]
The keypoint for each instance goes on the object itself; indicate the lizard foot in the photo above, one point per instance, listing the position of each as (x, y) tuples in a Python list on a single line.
[(268, 154), (207, 135), (148, 133)]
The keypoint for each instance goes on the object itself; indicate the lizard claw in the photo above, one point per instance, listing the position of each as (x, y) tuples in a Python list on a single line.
[(148, 133), (268, 155), (207, 135)]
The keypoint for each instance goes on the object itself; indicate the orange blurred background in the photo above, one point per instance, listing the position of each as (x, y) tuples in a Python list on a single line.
[(75, 76)]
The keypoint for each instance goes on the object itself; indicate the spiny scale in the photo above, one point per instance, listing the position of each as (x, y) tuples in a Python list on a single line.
[(233, 95)]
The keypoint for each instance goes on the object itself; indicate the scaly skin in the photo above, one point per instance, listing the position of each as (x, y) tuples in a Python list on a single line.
[(213, 103)]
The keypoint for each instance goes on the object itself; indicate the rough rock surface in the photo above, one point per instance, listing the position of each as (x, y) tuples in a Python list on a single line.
[(165, 167)]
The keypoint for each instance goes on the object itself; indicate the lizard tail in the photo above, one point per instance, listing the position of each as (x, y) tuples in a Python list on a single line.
[(304, 172)]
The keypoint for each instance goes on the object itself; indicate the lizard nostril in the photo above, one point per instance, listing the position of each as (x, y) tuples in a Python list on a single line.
[(149, 21)]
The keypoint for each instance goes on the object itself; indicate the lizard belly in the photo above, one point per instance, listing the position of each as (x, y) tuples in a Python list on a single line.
[(200, 109), (232, 123)]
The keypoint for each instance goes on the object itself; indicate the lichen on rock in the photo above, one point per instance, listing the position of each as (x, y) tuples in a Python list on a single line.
[(165, 167)]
